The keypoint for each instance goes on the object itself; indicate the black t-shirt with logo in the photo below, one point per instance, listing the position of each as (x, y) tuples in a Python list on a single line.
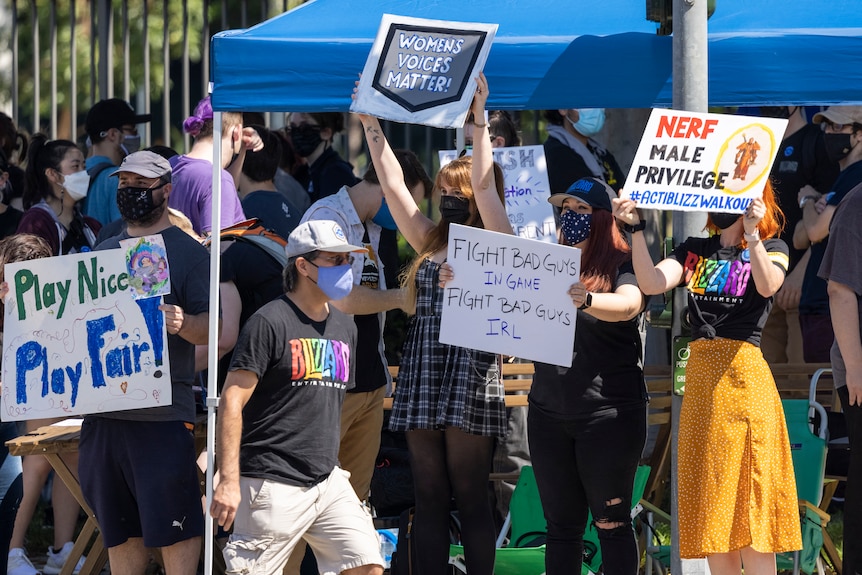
[(607, 367), (291, 423), (721, 288)]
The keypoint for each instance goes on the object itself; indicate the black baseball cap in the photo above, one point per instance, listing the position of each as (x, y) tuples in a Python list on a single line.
[(589, 190), (112, 113)]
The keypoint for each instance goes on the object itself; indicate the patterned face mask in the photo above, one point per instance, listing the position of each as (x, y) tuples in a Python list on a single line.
[(138, 205), (575, 226)]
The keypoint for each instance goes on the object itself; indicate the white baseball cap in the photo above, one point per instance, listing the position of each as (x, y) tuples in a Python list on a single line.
[(322, 235)]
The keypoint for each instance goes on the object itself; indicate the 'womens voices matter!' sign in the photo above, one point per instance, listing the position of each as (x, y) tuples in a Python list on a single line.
[(423, 71), (703, 162), (510, 295), (76, 341)]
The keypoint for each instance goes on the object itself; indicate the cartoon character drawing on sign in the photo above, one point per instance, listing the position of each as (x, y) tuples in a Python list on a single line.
[(745, 157)]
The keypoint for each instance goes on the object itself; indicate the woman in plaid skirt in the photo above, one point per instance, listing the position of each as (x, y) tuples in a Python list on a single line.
[(449, 399)]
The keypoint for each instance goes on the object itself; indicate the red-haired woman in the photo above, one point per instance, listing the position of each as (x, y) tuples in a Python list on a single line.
[(737, 495), (587, 423)]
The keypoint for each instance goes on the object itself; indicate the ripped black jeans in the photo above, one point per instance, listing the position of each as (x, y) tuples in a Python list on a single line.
[(583, 465)]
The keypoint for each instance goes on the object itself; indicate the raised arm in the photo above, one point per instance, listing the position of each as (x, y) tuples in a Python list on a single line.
[(492, 210), (412, 223), (652, 279)]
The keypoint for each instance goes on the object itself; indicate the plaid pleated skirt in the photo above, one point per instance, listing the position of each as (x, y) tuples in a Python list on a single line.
[(442, 385), (736, 482)]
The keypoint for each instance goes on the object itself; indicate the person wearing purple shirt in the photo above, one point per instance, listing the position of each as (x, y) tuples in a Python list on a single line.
[(192, 172)]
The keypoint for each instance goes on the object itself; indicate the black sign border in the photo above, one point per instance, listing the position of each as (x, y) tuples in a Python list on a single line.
[(377, 85)]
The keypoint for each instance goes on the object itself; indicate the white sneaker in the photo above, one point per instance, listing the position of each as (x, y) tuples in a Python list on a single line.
[(56, 560), (19, 564)]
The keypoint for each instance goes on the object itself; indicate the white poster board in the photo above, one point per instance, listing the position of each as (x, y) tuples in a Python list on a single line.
[(510, 295), (525, 181), (75, 341), (423, 71), (688, 161)]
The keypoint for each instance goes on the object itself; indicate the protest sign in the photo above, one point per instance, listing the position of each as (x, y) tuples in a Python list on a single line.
[(147, 264), (75, 340), (525, 181), (510, 295), (703, 162), (423, 71)]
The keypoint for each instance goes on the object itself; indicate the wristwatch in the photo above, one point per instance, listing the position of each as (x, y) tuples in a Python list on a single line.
[(638, 227), (588, 301)]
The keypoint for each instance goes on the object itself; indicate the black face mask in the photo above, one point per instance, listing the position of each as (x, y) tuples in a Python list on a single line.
[(454, 210), (722, 220), (305, 139), (837, 146), (138, 206)]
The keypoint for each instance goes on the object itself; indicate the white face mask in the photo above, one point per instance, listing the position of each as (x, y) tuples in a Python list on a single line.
[(77, 184)]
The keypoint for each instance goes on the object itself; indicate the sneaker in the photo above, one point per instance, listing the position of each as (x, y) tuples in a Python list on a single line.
[(56, 560), (19, 564)]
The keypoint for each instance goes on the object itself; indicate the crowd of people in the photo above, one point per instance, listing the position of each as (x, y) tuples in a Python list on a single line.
[(303, 370)]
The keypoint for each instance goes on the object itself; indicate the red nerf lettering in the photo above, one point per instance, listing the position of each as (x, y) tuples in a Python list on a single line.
[(685, 127)]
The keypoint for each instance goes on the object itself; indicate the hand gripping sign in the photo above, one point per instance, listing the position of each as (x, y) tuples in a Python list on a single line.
[(703, 162), (423, 71)]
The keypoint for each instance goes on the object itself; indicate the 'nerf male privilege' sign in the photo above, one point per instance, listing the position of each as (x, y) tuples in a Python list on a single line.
[(75, 340), (703, 162), (525, 181), (423, 71)]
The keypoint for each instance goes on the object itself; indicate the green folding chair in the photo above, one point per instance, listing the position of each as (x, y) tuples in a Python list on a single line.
[(527, 524), (524, 551), (808, 449)]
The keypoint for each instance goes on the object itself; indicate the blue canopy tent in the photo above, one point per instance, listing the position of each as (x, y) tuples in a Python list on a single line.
[(554, 54)]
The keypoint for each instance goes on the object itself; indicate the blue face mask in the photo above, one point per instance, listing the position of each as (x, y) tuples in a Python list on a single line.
[(383, 217), (336, 282), (590, 121), (575, 226)]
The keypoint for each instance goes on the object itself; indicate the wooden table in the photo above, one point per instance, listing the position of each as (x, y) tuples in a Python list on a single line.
[(53, 441)]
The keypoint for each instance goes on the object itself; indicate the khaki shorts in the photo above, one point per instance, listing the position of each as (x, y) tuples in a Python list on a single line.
[(272, 517)]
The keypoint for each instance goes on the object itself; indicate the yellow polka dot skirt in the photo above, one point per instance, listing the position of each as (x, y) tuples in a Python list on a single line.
[(736, 482)]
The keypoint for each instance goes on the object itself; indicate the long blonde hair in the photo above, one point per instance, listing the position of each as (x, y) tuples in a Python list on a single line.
[(457, 174)]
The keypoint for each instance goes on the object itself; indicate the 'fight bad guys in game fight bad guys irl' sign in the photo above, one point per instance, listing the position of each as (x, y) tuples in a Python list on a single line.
[(76, 340), (702, 162)]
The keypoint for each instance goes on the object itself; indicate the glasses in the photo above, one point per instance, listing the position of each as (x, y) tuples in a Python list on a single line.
[(827, 125), (338, 260)]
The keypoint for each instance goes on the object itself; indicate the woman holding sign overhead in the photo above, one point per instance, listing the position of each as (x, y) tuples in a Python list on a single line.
[(449, 399), (587, 422), (737, 493)]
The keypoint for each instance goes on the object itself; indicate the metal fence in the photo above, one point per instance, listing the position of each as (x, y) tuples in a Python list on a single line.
[(68, 54)]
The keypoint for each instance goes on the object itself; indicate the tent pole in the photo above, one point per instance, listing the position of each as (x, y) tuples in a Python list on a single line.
[(690, 92), (212, 348)]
